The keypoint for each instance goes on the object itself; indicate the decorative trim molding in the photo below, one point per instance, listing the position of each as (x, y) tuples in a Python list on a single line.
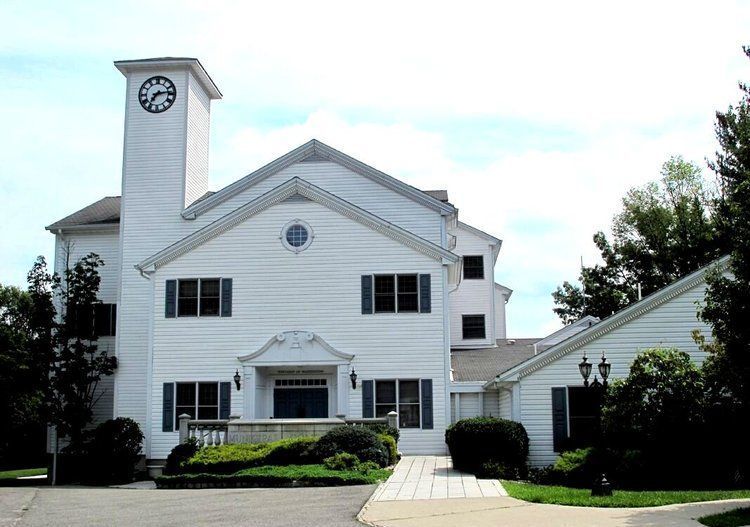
[(294, 337), (314, 150), (279, 194), (613, 322)]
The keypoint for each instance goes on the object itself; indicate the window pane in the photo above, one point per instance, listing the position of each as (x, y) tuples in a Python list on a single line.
[(208, 412), (408, 392), (179, 410), (473, 326), (385, 392), (103, 320), (408, 300), (385, 297), (187, 301), (209, 288), (296, 235), (408, 415), (208, 394), (382, 410), (474, 267), (188, 288), (186, 394)]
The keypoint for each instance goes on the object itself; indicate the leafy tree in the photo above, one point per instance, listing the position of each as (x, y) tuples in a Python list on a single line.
[(77, 365), (727, 305), (666, 229), (657, 403)]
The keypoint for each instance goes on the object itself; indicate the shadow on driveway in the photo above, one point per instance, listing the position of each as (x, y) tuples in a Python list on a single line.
[(45, 506)]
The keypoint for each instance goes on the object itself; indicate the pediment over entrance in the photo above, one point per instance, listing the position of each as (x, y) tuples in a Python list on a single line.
[(296, 347)]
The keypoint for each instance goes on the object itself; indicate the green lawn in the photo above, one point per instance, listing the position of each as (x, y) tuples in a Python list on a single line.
[(13, 474), (620, 498), (735, 518)]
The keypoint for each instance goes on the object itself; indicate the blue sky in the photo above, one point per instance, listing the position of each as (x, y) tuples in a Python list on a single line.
[(536, 117)]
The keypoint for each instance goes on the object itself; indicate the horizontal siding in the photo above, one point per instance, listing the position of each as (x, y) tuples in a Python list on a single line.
[(500, 330), (505, 404), (490, 407), (196, 153), (317, 290), (350, 186), (668, 325), (473, 297)]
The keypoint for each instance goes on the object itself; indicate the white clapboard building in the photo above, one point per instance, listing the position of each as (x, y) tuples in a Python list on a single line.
[(294, 276), (260, 301)]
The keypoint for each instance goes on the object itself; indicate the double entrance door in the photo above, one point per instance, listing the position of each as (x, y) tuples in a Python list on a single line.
[(294, 403)]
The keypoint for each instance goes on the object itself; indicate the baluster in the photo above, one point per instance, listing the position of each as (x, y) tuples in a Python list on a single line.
[(226, 435), (192, 431), (201, 441), (210, 438), (217, 437)]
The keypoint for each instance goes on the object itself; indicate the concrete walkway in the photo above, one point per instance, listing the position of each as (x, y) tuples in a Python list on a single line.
[(509, 512), (432, 478)]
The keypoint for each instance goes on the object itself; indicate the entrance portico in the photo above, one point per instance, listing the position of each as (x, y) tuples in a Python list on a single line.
[(296, 374)]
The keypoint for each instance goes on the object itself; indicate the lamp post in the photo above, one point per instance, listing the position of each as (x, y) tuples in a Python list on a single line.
[(601, 487), (353, 378), (237, 379)]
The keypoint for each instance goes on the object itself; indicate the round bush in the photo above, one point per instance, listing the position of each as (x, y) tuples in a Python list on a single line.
[(357, 440), (112, 450), (179, 455), (483, 445), (342, 461)]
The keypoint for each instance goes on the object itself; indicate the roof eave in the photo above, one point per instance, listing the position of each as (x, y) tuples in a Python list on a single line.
[(114, 226)]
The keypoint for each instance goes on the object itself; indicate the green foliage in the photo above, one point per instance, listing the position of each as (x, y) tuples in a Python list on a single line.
[(727, 305), (658, 405), (341, 461), (487, 444), (179, 455), (274, 476), (108, 453), (380, 428), (665, 230), (23, 370), (357, 440), (621, 498), (391, 446), (735, 518), (227, 459), (76, 365)]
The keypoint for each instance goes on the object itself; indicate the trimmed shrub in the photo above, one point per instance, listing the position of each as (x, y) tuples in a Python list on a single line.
[(342, 461), (108, 453), (289, 476), (227, 459), (489, 444), (380, 428), (357, 440), (390, 445), (179, 455)]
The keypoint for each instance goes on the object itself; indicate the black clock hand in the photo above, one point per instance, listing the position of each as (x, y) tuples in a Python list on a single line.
[(156, 94)]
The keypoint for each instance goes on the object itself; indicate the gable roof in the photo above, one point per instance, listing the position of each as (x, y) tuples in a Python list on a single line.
[(314, 150), (104, 212), (507, 291), (483, 364), (568, 331), (611, 323), (284, 191)]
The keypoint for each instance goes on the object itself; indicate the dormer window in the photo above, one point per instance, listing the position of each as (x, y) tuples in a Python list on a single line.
[(474, 267)]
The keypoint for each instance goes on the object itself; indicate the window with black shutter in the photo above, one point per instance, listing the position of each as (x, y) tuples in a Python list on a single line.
[(105, 320), (584, 407), (205, 297), (473, 326), (187, 298), (385, 294), (210, 296), (199, 400), (473, 267)]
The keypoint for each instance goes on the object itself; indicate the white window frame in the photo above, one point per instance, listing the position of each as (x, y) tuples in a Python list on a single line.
[(197, 401), (198, 304), (484, 317), (398, 402), (395, 294), (290, 247)]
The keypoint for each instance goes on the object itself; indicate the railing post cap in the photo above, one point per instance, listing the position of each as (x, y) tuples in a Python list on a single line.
[(234, 417), (183, 416), (392, 413)]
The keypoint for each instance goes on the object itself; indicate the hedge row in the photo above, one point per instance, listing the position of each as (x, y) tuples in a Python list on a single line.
[(274, 476)]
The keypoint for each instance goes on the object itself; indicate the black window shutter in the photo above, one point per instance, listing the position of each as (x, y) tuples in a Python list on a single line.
[(559, 418), (425, 294), (427, 403), (170, 299), (226, 298), (367, 294), (225, 399), (167, 412), (368, 399)]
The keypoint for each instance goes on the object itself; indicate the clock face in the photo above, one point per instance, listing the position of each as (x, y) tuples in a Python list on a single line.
[(157, 94)]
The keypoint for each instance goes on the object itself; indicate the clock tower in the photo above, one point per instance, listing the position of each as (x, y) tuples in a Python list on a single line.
[(164, 170)]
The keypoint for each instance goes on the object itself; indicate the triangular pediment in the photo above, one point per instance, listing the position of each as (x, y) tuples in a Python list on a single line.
[(296, 347)]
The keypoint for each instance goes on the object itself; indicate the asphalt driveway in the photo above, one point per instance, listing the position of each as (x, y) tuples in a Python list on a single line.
[(63, 506)]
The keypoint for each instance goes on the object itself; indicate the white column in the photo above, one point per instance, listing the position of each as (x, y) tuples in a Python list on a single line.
[(248, 392), (342, 389)]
